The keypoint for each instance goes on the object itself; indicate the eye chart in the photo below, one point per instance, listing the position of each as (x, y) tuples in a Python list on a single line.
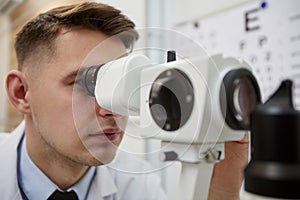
[(266, 34)]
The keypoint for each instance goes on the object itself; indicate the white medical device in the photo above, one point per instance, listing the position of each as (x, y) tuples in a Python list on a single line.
[(192, 105)]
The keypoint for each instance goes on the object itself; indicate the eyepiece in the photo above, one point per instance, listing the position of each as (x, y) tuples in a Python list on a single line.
[(89, 78)]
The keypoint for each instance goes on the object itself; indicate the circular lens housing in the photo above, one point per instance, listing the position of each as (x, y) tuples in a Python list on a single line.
[(239, 97), (171, 99)]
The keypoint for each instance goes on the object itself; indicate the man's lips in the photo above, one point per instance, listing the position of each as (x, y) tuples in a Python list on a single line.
[(110, 134)]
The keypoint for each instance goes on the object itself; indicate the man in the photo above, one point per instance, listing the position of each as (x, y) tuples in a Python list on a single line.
[(66, 137)]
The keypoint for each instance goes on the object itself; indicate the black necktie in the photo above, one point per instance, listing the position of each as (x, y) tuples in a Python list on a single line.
[(58, 195)]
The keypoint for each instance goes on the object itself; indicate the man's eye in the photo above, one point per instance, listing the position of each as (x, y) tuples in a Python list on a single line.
[(75, 81)]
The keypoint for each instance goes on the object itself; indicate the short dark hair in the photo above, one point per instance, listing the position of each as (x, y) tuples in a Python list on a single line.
[(44, 29)]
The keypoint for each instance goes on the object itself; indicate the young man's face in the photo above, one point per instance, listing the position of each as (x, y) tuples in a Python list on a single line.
[(63, 118)]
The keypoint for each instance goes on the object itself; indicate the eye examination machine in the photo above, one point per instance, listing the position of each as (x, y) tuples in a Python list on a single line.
[(196, 104)]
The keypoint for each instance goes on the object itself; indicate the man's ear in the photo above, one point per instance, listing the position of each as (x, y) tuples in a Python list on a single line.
[(16, 87)]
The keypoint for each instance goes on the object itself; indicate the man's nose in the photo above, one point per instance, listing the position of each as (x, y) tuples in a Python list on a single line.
[(102, 112)]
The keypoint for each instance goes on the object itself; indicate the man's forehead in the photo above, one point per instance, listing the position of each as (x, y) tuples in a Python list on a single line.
[(89, 47), (105, 51), (78, 49), (91, 40)]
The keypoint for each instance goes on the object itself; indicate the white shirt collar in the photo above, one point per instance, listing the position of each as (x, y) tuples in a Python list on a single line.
[(36, 185)]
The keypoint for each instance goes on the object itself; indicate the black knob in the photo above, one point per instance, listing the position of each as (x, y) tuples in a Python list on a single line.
[(171, 56), (274, 169)]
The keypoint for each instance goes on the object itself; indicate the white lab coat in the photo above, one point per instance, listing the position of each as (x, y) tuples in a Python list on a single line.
[(108, 184)]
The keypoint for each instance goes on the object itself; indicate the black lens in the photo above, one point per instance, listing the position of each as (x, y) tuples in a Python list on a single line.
[(171, 99), (238, 98), (89, 78)]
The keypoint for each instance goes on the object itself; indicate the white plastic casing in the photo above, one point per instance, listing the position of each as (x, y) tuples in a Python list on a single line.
[(118, 84), (206, 123), (123, 86)]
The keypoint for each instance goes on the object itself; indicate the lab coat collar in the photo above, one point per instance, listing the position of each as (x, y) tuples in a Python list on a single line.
[(8, 154)]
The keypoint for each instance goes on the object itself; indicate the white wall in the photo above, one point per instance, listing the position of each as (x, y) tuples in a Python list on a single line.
[(4, 65), (167, 13), (134, 9), (196, 9), (144, 12)]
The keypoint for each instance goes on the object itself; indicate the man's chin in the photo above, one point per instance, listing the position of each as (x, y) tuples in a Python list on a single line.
[(101, 159)]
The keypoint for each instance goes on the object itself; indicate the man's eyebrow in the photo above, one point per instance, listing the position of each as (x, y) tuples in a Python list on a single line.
[(78, 72), (73, 74)]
